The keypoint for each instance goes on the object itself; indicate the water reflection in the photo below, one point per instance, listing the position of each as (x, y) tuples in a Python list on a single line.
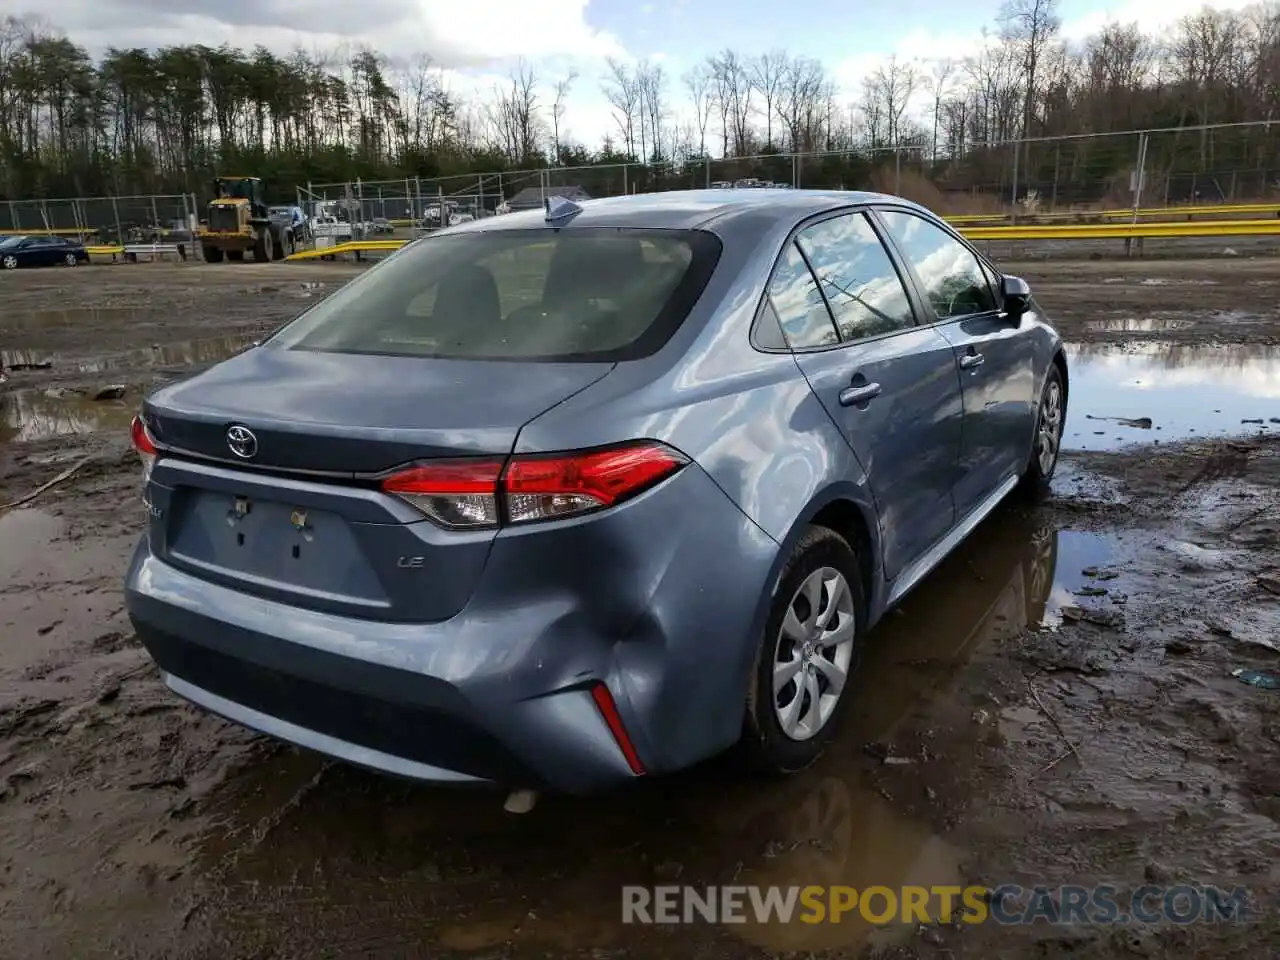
[(313, 852), (1137, 324), (27, 415), (182, 353), (1185, 389)]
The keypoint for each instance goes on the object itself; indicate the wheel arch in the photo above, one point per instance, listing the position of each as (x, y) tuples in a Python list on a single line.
[(846, 510), (1060, 361)]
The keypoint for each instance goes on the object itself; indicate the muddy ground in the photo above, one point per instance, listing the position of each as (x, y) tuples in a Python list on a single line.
[(1055, 705)]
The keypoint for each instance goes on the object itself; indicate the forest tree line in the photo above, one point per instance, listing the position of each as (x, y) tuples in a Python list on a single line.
[(139, 121)]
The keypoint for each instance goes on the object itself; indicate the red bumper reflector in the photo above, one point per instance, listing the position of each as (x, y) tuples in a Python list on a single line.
[(609, 710)]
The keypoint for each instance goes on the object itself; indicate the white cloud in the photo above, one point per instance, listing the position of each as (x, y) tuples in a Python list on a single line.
[(927, 46), (457, 34)]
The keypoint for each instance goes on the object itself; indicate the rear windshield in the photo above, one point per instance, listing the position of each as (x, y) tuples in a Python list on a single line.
[(576, 294)]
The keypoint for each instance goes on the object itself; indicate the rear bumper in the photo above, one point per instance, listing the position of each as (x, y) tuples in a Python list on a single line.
[(502, 692)]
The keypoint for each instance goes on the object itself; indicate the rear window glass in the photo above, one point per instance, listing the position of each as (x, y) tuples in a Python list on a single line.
[(584, 294)]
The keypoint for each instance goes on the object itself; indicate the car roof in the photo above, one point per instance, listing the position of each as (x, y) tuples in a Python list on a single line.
[(688, 209)]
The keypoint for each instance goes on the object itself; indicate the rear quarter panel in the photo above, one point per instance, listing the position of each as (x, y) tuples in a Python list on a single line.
[(748, 420)]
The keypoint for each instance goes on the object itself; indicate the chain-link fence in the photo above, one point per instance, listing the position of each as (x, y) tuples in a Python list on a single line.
[(1224, 164), (150, 218)]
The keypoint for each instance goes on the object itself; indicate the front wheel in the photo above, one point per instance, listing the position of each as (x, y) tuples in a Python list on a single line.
[(809, 651), (9, 263), (1048, 440)]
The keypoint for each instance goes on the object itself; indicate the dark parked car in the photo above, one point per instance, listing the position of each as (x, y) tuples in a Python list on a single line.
[(41, 251), (562, 498)]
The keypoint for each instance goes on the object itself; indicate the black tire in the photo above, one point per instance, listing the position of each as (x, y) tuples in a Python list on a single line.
[(280, 241), (1039, 471), (766, 747), (212, 254), (263, 248)]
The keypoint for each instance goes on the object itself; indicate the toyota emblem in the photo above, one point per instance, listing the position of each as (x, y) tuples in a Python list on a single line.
[(242, 442)]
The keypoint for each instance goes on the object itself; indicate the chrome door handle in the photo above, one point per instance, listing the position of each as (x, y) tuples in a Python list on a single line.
[(859, 394), (970, 360)]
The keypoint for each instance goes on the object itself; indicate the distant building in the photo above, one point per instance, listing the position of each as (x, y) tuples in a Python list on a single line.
[(530, 198)]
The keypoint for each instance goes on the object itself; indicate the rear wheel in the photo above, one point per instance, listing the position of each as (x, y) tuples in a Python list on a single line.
[(71, 260), (211, 254), (809, 651)]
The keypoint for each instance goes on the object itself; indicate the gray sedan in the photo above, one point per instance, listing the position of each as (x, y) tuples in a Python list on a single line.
[(569, 497)]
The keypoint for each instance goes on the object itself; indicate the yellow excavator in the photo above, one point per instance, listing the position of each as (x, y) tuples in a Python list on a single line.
[(238, 223)]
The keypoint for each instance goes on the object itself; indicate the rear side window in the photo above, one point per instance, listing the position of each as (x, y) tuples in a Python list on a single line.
[(802, 313), (864, 290), (955, 284), (589, 294)]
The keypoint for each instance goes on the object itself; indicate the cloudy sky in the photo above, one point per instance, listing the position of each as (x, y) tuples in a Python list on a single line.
[(477, 40)]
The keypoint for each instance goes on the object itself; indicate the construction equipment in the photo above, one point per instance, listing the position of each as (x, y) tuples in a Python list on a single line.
[(238, 221)]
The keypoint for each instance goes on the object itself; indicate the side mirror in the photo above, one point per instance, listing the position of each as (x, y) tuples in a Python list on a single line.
[(1016, 295)]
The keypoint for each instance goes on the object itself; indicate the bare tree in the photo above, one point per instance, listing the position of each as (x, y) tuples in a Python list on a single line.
[(888, 91), (767, 73), (943, 70), (562, 88), (623, 93), (515, 114), (697, 81), (733, 83), (799, 102), (651, 84), (1030, 25)]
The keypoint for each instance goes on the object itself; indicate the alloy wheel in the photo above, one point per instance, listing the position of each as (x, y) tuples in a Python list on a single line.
[(813, 653), (1050, 427)]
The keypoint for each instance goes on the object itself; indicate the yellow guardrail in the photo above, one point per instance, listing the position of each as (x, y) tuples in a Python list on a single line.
[(1126, 231), (1220, 210), (353, 246), (1039, 231), (104, 251), (62, 232)]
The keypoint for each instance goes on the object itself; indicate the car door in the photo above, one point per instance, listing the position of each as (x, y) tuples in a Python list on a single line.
[(995, 356), (890, 385), (38, 252)]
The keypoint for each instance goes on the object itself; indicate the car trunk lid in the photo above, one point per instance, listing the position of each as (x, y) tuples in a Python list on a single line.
[(302, 520)]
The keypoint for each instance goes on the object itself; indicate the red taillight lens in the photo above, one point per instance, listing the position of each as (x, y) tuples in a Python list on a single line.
[(463, 494), (145, 444), (542, 488)]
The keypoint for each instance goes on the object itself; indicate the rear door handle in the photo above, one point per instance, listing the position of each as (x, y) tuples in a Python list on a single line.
[(970, 360), (859, 394)]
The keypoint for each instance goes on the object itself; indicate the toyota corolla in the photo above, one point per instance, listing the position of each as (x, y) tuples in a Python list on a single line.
[(564, 498)]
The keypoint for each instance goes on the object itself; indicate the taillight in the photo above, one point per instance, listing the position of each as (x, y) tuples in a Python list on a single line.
[(542, 488), (145, 444), (464, 494), (457, 494)]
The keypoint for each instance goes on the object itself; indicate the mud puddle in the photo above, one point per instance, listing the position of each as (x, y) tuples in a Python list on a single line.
[(51, 588), (28, 414), (279, 854), (205, 350), (1162, 392)]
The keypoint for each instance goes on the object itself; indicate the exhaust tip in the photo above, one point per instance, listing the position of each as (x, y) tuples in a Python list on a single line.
[(520, 801)]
